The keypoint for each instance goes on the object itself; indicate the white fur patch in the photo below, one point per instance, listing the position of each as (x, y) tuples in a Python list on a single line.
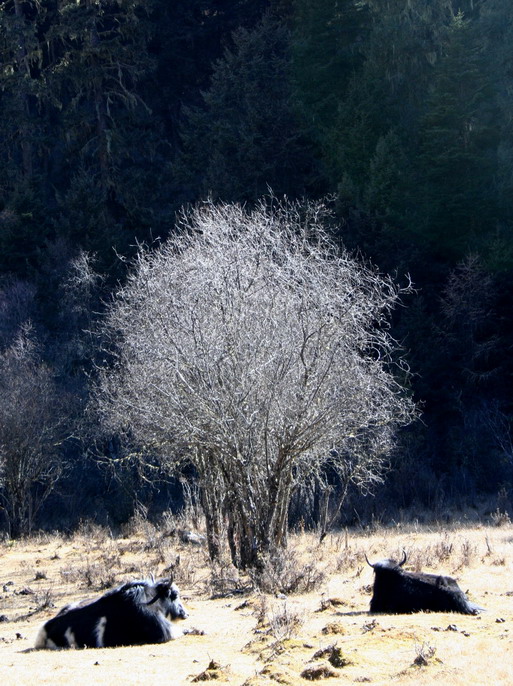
[(42, 639), (100, 631), (70, 637), (175, 631)]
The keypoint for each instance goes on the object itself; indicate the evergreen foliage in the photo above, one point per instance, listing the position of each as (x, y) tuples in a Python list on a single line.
[(458, 148), (247, 137)]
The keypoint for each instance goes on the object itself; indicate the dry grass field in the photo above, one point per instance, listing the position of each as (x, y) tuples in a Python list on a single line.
[(324, 633)]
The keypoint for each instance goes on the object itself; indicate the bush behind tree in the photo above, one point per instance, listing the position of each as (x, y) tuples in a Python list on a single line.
[(32, 428)]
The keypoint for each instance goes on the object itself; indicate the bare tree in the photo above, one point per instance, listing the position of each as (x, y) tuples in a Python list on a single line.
[(252, 347), (31, 430)]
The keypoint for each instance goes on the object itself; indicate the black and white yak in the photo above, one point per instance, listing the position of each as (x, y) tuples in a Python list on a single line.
[(399, 592), (135, 613)]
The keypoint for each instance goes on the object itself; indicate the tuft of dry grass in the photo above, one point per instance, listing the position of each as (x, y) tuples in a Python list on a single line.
[(424, 653), (284, 623)]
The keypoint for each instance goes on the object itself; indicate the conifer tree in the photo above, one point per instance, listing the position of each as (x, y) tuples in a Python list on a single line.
[(327, 51), (496, 29), (389, 91), (247, 137), (24, 134), (112, 168), (459, 138)]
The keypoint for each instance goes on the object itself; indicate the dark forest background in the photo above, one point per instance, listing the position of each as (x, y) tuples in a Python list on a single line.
[(116, 113)]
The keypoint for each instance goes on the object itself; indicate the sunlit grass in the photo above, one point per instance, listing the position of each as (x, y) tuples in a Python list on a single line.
[(258, 637)]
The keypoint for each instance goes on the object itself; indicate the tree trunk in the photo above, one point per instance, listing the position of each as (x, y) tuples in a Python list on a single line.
[(250, 552), (232, 541), (17, 519), (101, 115), (277, 526), (212, 512), (246, 546)]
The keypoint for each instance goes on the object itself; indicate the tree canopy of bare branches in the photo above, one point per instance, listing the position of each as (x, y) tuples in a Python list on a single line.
[(32, 428), (254, 348)]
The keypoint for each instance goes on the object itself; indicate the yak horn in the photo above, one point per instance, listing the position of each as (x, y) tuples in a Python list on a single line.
[(404, 558), (369, 563)]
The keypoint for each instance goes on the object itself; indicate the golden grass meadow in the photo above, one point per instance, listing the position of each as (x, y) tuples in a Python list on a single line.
[(324, 633)]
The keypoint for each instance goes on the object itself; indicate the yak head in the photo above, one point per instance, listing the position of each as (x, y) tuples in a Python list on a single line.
[(167, 600), (388, 563)]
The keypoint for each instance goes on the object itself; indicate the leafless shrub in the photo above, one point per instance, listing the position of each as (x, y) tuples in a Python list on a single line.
[(137, 525), (44, 599), (158, 546), (276, 620), (285, 572), (159, 540), (253, 348), (224, 580), (97, 575), (167, 523), (444, 549), (185, 570), (93, 535), (349, 558), (191, 515), (261, 611), (418, 558), (141, 527), (33, 426), (499, 518), (431, 555), (468, 553)]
